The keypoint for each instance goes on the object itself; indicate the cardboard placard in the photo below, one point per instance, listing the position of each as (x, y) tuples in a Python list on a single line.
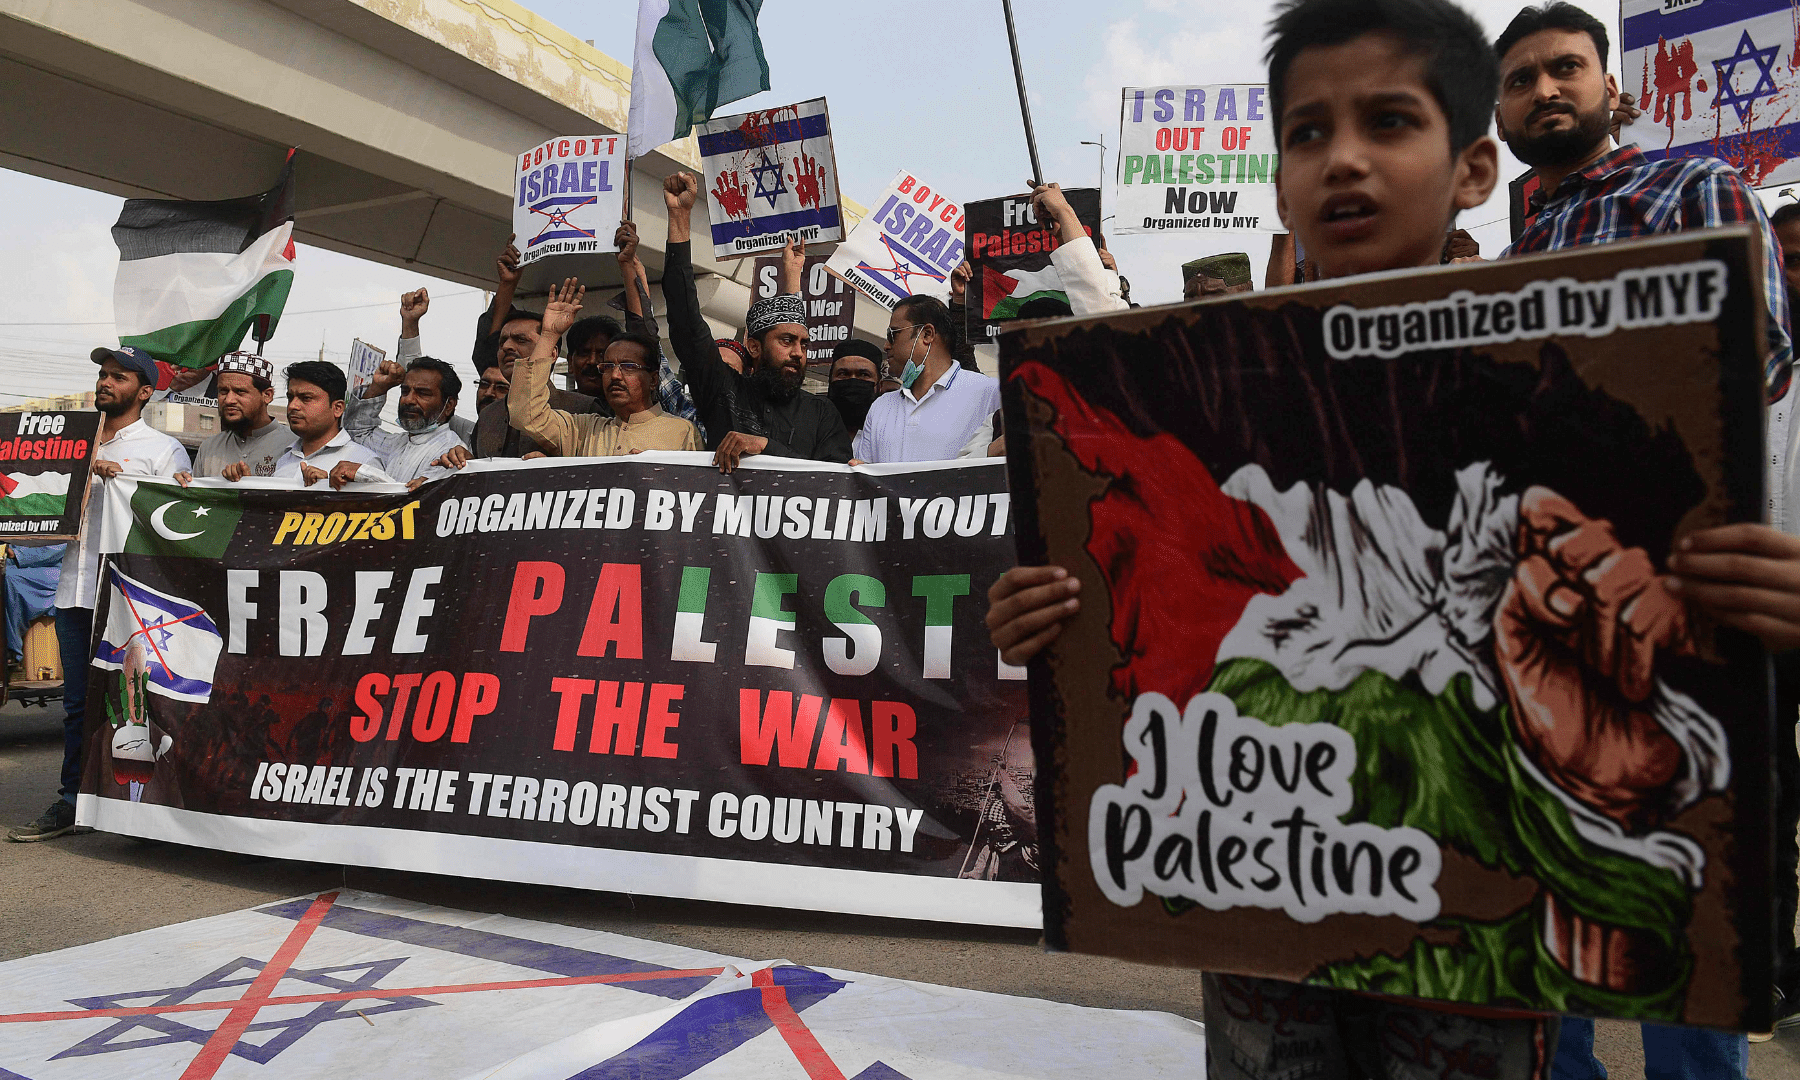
[(1196, 157), (770, 175), (1009, 254), (44, 461), (907, 247), (830, 304), (1376, 682), (568, 199)]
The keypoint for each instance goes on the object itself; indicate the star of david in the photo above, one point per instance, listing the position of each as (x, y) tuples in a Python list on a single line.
[(168, 1029), (1726, 70), (769, 172)]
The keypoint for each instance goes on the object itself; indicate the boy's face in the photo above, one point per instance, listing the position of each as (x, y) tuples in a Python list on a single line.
[(1367, 180)]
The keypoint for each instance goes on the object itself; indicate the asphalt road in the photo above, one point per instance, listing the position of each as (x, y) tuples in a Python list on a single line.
[(85, 888)]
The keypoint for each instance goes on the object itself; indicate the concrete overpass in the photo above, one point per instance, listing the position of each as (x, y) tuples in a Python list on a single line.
[(407, 113)]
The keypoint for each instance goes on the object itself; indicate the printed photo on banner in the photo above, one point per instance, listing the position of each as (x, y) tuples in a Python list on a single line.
[(830, 304), (1408, 652), (1714, 80), (1196, 157), (770, 176), (569, 197), (1009, 254), (44, 459), (907, 247), (652, 662)]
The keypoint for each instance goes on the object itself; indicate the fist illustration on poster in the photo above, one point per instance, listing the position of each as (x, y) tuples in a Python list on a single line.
[(1576, 636)]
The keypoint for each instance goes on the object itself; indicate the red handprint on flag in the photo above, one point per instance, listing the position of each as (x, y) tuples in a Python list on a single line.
[(805, 178), (733, 197)]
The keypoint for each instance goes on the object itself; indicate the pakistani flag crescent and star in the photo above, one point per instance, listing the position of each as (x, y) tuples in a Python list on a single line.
[(193, 522), (194, 276), (692, 56)]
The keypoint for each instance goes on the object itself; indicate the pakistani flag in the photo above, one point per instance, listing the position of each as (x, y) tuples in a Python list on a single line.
[(692, 56), (33, 494), (177, 640), (190, 522), (193, 276), (1003, 294)]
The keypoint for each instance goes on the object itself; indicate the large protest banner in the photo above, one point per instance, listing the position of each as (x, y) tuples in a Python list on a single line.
[(771, 175), (569, 199), (1009, 252), (830, 304), (1714, 81), (1378, 683), (907, 247), (1196, 157), (637, 674), (44, 461)]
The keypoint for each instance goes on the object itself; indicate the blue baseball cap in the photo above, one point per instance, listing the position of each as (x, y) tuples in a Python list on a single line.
[(131, 360)]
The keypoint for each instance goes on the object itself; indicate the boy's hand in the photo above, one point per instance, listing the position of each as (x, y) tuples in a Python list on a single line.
[(1027, 607), (564, 305), (1746, 576)]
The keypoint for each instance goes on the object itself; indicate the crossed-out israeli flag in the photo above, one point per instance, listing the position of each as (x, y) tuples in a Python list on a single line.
[(180, 643)]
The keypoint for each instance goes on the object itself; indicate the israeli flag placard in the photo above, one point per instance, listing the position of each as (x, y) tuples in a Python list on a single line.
[(1715, 79), (770, 175), (178, 642)]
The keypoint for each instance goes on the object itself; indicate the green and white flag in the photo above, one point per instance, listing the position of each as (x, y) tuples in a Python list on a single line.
[(692, 56), (42, 494), (193, 276)]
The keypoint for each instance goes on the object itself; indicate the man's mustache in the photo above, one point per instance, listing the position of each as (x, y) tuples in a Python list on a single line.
[(1548, 110), (409, 411)]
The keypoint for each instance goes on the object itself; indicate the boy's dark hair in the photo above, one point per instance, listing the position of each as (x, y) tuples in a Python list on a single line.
[(651, 347), (1785, 213), (449, 382), (1554, 15), (1461, 69), (929, 311), (584, 332), (327, 377)]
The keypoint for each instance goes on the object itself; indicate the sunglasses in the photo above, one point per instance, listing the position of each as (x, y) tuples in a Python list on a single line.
[(894, 331), (626, 368)]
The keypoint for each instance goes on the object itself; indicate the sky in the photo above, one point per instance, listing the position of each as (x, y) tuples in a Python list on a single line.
[(925, 86)]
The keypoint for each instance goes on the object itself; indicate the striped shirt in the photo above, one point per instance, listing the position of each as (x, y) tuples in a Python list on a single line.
[(1623, 195)]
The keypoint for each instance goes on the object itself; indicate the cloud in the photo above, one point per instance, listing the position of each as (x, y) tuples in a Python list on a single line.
[(1187, 45)]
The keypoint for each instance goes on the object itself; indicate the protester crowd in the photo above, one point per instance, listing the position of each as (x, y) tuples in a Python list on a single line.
[(1383, 110)]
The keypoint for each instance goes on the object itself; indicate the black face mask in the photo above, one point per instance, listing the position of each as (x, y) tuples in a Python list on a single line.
[(852, 398)]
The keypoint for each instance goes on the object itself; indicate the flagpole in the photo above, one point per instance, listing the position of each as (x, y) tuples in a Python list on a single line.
[(1012, 38)]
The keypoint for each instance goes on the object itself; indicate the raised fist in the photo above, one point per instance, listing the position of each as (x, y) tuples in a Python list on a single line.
[(680, 190), (1576, 636)]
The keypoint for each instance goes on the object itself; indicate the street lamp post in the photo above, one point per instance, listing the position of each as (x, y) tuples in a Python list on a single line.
[(1102, 147)]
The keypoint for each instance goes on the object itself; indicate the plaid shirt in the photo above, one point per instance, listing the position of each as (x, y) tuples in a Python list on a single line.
[(1622, 196)]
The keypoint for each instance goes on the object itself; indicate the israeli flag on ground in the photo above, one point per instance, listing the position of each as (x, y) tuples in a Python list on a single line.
[(179, 640)]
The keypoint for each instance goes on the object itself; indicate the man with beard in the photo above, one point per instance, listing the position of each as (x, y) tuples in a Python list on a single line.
[(637, 423), (1555, 112), (764, 411), (428, 394), (245, 387), (130, 446)]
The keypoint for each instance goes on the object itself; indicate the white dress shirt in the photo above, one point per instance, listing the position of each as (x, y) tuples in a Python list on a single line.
[(954, 418), (340, 447), (140, 450)]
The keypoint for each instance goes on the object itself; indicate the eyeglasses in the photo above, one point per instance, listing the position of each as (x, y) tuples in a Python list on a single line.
[(626, 368), (894, 331)]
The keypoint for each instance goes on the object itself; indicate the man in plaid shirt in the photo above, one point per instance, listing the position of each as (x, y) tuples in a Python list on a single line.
[(1555, 114)]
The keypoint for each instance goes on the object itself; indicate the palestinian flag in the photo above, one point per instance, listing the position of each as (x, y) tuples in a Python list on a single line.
[(193, 276), (33, 494), (692, 56), (1003, 294)]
